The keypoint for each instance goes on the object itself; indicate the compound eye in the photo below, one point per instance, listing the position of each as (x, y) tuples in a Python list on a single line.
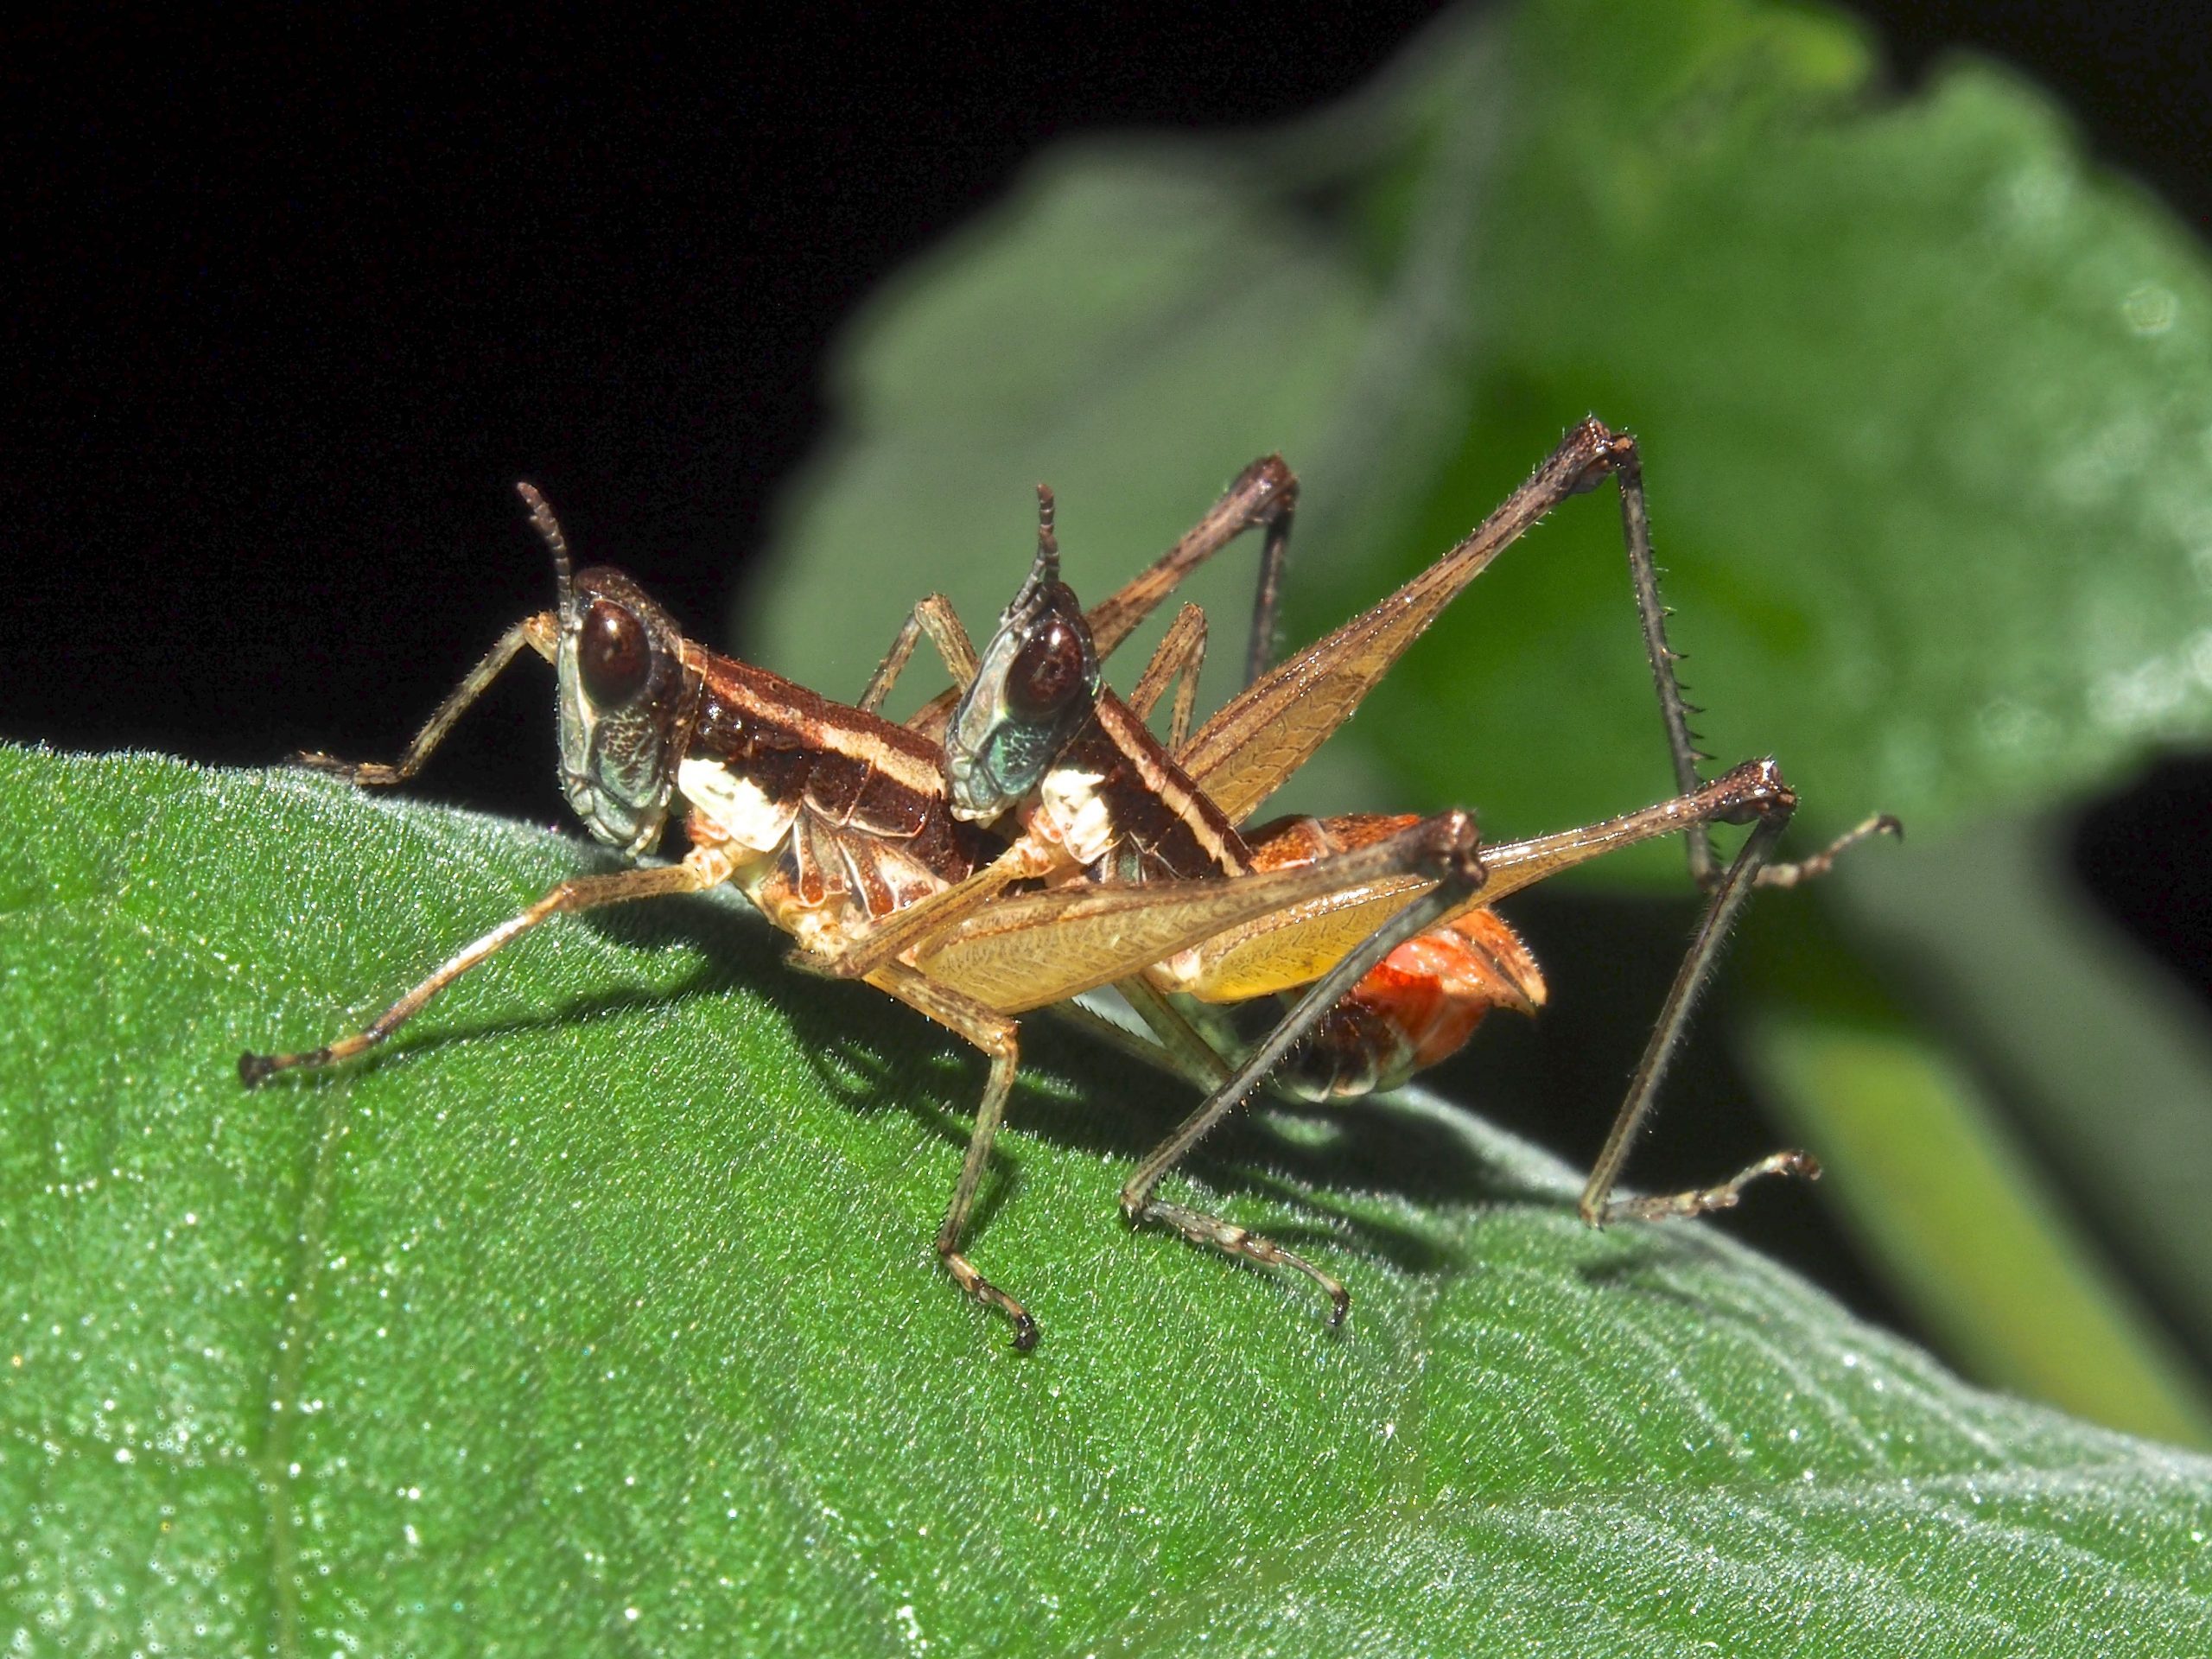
[(613, 655), (1046, 672)]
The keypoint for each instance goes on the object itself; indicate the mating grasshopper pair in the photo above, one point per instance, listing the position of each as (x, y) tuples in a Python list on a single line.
[(1036, 842)]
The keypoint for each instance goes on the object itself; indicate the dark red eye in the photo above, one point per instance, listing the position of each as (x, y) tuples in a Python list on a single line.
[(612, 654), (1046, 672)]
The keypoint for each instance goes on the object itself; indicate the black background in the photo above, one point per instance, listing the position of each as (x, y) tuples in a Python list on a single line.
[(290, 303)]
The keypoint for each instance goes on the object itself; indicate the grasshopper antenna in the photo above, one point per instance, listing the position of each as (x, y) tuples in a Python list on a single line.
[(1037, 589), (1045, 571), (542, 520), (1047, 567)]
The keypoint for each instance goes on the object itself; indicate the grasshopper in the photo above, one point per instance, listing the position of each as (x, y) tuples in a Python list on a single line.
[(831, 821), (837, 825), (1036, 742)]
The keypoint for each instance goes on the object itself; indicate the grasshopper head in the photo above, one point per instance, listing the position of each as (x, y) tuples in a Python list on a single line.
[(624, 695), (1033, 691)]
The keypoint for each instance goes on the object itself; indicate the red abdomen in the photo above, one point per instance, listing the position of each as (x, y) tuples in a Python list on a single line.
[(1420, 1003)]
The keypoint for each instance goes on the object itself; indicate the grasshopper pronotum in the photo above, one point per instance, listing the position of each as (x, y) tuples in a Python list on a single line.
[(837, 825)]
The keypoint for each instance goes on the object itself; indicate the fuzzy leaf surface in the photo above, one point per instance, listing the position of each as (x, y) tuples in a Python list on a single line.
[(599, 1314)]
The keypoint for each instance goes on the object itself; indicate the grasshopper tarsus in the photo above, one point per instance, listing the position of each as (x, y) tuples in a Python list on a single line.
[(1229, 1239), (255, 1069), (1700, 1201), (983, 1290), (363, 773), (1810, 869)]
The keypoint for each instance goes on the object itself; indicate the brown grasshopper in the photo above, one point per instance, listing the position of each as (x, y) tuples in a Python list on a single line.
[(836, 823), (832, 820), (1034, 741)]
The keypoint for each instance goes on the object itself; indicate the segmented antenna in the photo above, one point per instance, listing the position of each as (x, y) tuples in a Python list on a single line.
[(541, 519), (1047, 567), (1043, 574)]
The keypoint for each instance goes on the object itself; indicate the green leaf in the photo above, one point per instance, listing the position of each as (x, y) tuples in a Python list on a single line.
[(599, 1314), (1925, 401)]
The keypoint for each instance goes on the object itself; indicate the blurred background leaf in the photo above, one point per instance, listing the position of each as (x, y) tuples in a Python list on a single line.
[(1927, 408)]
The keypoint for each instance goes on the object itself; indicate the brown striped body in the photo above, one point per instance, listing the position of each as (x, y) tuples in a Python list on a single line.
[(836, 817), (1124, 811)]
